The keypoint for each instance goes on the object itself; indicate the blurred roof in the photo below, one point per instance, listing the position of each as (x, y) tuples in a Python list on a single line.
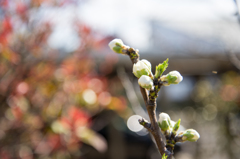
[(211, 39), (183, 30), (176, 27), (160, 27)]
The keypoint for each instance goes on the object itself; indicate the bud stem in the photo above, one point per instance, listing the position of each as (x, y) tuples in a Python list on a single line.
[(133, 54)]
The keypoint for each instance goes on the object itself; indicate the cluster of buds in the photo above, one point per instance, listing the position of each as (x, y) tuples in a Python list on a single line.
[(170, 128), (142, 69)]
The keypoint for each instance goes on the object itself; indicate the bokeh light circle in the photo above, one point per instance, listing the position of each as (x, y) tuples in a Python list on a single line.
[(133, 124)]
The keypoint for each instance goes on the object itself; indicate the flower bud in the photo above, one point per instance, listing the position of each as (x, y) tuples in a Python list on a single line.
[(190, 135), (145, 82), (173, 77), (117, 46), (164, 121), (142, 67)]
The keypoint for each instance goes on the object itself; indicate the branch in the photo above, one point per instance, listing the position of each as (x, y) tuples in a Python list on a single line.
[(151, 105), (157, 134), (134, 56), (144, 94), (150, 86)]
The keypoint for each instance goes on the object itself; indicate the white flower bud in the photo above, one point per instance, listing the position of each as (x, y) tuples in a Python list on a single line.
[(142, 67), (145, 82), (173, 77), (164, 121), (163, 116), (117, 46), (190, 135), (178, 75)]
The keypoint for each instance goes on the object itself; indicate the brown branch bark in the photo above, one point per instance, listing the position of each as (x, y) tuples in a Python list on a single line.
[(144, 94), (157, 134)]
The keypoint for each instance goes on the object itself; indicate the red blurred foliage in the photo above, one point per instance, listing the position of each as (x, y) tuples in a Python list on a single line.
[(5, 30), (75, 118), (47, 102)]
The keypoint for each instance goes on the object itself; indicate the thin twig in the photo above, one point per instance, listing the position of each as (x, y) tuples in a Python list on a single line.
[(131, 94), (145, 124)]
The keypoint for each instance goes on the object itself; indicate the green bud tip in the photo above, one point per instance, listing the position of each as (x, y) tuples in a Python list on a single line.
[(117, 46), (164, 121), (190, 135), (173, 77)]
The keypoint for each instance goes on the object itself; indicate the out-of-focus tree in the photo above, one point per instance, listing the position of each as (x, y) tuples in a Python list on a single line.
[(217, 116), (47, 104)]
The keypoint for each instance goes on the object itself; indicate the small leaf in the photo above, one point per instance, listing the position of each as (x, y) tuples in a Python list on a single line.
[(176, 126), (164, 156), (161, 68)]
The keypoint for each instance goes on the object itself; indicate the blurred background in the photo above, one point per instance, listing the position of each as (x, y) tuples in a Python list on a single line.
[(65, 95)]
